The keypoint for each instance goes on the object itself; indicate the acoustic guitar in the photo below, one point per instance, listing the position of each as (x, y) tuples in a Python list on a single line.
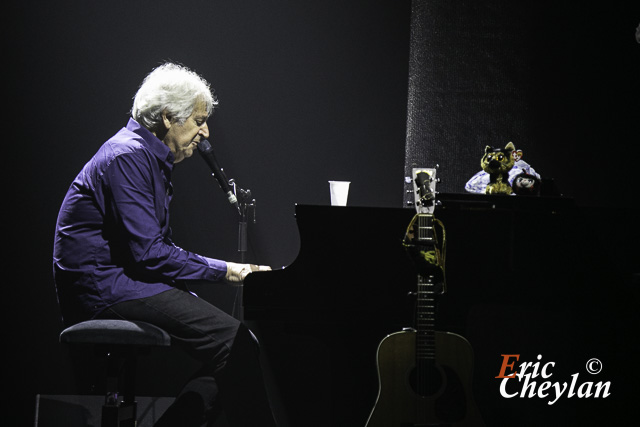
[(425, 375)]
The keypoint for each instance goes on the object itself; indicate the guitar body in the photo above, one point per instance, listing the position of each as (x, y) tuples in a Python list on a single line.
[(448, 400)]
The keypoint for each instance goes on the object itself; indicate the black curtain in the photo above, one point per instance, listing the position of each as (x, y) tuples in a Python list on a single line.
[(559, 80)]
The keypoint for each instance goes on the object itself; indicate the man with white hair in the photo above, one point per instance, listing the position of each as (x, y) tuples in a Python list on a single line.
[(114, 258)]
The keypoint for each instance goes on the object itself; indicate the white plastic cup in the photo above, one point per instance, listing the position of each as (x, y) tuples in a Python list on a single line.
[(339, 192)]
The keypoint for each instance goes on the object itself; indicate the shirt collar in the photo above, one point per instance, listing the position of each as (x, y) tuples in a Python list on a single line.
[(152, 142)]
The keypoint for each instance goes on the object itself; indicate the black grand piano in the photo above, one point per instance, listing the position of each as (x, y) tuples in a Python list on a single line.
[(525, 276)]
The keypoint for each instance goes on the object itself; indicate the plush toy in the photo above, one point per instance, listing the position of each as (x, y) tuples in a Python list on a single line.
[(525, 184), (497, 162)]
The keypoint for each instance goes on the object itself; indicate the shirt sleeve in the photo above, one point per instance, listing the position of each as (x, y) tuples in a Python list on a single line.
[(134, 203)]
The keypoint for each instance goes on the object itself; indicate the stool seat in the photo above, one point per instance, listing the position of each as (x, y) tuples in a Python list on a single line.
[(115, 332)]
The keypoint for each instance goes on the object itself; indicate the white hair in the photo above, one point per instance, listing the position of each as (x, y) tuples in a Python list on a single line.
[(172, 88)]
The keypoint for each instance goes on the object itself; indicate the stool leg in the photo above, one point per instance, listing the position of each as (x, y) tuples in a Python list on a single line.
[(129, 404), (120, 377)]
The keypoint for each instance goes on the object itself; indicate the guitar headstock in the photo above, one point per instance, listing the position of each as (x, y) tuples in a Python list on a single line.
[(424, 189), (424, 245)]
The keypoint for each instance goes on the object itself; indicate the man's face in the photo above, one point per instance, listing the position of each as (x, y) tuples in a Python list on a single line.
[(182, 139)]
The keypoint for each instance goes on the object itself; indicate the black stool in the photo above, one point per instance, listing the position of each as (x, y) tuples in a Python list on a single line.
[(120, 341)]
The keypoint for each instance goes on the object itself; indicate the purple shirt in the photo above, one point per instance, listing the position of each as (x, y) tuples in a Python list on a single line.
[(112, 240)]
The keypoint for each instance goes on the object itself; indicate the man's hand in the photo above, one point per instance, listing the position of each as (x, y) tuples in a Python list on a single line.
[(237, 272)]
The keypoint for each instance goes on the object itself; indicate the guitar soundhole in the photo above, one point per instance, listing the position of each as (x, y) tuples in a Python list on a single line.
[(443, 384), (427, 382)]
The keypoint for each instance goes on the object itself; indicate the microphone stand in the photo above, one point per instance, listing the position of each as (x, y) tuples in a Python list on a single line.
[(246, 208)]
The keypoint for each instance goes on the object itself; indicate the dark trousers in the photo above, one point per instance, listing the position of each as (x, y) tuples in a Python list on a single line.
[(230, 378)]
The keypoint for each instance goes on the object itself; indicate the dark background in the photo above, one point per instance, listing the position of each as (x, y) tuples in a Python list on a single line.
[(310, 91)]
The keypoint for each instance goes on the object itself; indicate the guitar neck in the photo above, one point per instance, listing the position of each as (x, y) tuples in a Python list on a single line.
[(425, 320), (426, 293), (425, 230)]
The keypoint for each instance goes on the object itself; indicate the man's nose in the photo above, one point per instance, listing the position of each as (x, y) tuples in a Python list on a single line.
[(204, 130)]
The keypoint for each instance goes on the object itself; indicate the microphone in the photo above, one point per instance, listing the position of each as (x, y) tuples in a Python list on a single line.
[(206, 151)]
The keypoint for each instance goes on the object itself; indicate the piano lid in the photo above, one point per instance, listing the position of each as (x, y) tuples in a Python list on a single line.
[(351, 262)]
